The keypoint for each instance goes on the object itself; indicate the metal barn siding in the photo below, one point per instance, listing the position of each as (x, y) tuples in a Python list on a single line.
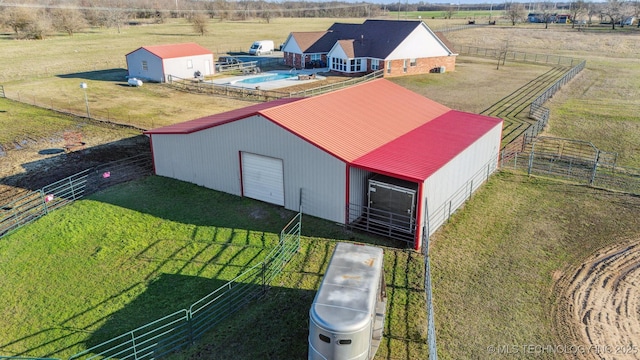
[(186, 67), (153, 71), (262, 178), (211, 158), (357, 190), (447, 189)]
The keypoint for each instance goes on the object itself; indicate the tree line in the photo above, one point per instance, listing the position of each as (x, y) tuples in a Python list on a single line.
[(36, 19), (613, 12)]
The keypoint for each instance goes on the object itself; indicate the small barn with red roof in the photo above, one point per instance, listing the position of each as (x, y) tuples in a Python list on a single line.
[(322, 154), (156, 63)]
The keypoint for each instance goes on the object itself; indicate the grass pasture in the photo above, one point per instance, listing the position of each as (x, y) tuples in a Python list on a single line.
[(133, 253), (496, 262), (48, 73)]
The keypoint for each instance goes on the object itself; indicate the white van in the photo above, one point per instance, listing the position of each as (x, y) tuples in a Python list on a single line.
[(261, 47)]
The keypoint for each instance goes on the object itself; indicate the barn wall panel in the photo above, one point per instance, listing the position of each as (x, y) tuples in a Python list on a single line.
[(210, 158), (358, 189), (154, 66), (179, 66), (453, 179)]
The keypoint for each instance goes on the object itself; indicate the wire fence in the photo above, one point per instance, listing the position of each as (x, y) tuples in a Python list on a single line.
[(179, 330), (518, 56), (577, 161), (257, 94), (32, 205)]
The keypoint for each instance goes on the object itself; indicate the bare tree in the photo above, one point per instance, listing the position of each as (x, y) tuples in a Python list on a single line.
[(68, 20), (199, 23), (612, 11), (449, 11), (116, 14), (592, 10), (548, 13), (515, 12), (38, 29), (576, 10), (18, 19)]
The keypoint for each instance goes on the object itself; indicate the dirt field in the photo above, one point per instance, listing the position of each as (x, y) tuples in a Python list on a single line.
[(39, 163), (599, 304)]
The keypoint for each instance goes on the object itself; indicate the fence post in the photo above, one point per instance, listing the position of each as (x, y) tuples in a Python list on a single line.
[(595, 168), (73, 193), (44, 201), (133, 342), (264, 277)]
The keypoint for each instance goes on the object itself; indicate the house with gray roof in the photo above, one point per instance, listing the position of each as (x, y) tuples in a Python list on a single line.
[(399, 47)]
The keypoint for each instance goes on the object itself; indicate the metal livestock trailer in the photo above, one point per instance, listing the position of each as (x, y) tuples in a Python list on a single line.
[(346, 318)]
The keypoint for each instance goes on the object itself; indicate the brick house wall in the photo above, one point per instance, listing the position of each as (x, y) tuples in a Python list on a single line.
[(297, 61), (293, 60), (422, 66)]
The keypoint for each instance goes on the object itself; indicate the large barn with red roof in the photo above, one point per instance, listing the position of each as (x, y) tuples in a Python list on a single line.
[(325, 153), (156, 63)]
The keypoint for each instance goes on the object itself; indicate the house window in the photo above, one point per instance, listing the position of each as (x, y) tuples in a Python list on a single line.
[(145, 65), (189, 64), (315, 57), (389, 67), (339, 64), (375, 64), (355, 65), (412, 62), (404, 66)]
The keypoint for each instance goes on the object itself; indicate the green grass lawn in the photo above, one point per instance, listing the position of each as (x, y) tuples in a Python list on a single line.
[(136, 252), (494, 264), (22, 123)]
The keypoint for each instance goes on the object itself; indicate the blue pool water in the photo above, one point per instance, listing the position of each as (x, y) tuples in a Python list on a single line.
[(263, 78)]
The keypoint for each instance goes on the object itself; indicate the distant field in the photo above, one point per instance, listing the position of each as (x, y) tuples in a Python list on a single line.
[(480, 15), (494, 263), (601, 104)]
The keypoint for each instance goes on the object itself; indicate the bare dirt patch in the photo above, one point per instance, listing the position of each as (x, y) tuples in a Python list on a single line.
[(599, 303), (40, 163)]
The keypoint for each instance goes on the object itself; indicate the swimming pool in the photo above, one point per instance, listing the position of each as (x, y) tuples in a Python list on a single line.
[(264, 78)]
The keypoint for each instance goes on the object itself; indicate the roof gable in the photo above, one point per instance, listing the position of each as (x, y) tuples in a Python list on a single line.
[(210, 121), (373, 38), (351, 122), (305, 40), (171, 51), (346, 123), (420, 153)]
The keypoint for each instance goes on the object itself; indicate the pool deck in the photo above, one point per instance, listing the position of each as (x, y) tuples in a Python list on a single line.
[(274, 84)]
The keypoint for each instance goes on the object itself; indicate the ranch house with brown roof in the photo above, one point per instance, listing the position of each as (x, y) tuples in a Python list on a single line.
[(399, 47)]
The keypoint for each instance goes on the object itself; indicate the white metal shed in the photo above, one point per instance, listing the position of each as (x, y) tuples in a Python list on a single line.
[(157, 63)]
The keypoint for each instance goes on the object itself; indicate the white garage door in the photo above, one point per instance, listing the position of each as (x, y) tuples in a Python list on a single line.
[(262, 178)]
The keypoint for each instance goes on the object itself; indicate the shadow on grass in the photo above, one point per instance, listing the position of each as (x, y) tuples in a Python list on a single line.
[(116, 74), (59, 165), (140, 303)]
